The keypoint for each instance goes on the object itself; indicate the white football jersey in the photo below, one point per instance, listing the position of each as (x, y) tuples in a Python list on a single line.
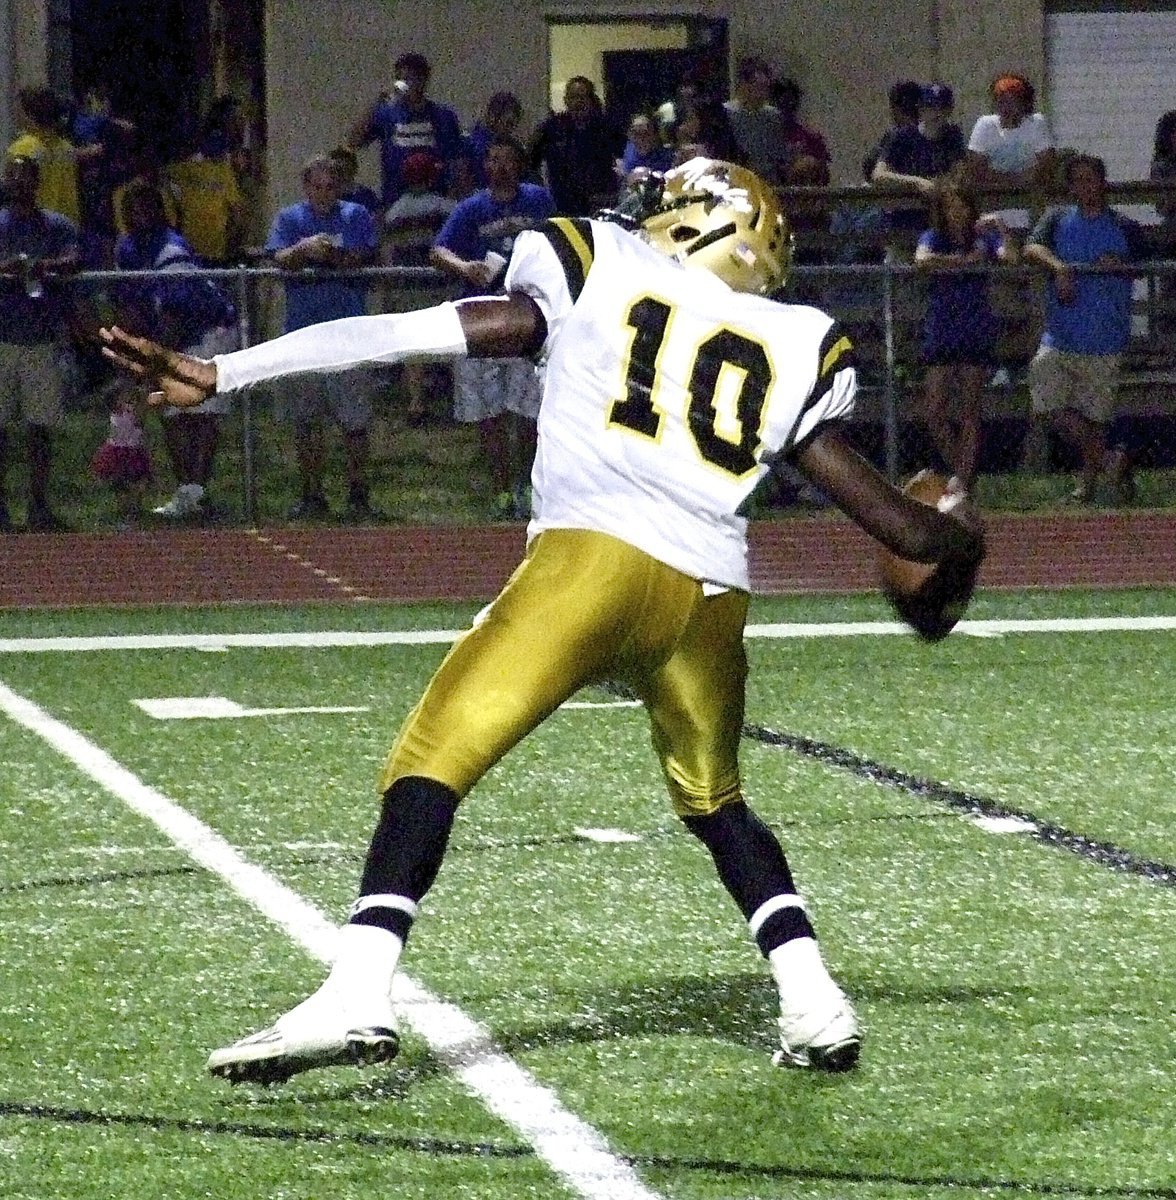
[(666, 395)]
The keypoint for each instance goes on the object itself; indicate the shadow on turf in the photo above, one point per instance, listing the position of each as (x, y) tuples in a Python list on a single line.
[(442, 1147)]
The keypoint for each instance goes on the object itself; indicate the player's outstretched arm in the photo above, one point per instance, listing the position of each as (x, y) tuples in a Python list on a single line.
[(507, 327), (173, 378), (910, 529)]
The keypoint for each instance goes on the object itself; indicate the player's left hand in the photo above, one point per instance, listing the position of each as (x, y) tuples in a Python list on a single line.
[(173, 378)]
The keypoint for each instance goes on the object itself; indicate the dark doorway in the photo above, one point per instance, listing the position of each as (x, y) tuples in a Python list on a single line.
[(640, 80), (152, 55)]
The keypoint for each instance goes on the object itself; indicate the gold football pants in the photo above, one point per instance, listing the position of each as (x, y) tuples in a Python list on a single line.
[(584, 607)]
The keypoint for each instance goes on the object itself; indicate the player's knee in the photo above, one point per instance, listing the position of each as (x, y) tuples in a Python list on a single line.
[(701, 801)]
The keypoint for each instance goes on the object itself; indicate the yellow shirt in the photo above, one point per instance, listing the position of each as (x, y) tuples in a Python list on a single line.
[(58, 159), (209, 199)]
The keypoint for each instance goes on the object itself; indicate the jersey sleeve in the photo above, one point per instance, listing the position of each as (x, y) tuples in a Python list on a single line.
[(550, 264), (834, 391)]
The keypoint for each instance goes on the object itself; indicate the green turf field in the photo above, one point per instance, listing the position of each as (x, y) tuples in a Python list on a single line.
[(985, 831)]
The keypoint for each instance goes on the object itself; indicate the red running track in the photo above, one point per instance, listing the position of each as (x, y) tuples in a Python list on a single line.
[(404, 563)]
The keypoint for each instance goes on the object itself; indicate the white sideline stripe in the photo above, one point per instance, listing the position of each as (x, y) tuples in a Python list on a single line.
[(324, 639), (221, 708), (574, 1150)]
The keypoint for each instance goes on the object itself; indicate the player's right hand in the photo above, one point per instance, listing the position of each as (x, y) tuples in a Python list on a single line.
[(173, 378)]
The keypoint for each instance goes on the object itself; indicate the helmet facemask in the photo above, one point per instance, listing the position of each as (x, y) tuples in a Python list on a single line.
[(714, 216)]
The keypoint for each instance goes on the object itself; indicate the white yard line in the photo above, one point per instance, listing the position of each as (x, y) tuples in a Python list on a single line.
[(325, 639), (574, 1150)]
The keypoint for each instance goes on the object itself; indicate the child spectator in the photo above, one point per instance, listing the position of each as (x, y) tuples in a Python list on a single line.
[(123, 461), (644, 150), (185, 313), (959, 332)]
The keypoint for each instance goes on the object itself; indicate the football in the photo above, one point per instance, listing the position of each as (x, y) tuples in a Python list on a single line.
[(931, 598)]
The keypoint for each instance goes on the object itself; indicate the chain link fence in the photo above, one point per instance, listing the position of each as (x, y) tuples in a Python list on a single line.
[(881, 305)]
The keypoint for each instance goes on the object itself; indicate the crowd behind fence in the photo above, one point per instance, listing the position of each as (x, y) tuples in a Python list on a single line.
[(879, 303)]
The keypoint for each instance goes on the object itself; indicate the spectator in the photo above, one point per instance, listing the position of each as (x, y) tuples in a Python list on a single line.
[(123, 460), (694, 88), (34, 243), (803, 145), (347, 166), (413, 221), (500, 395), (212, 207), (1073, 377), (103, 144), (182, 312), (411, 226), (321, 232), (959, 332), (644, 150), (43, 140), (1011, 147), (1163, 170), (406, 122), (576, 150), (905, 159), (703, 130), (500, 120), (936, 106), (144, 167), (756, 122), (903, 98)]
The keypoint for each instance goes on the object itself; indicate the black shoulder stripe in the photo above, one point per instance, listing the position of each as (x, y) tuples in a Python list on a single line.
[(571, 239), (836, 354)]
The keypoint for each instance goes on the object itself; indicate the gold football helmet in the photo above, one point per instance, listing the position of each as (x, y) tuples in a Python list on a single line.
[(721, 218)]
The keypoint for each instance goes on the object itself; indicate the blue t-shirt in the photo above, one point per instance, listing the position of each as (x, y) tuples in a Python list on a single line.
[(660, 158), (1098, 319), (178, 303), (403, 131), (480, 223), (307, 302), (959, 316), (26, 320)]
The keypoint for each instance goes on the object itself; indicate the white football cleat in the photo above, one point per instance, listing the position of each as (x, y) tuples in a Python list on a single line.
[(823, 1037), (321, 1032)]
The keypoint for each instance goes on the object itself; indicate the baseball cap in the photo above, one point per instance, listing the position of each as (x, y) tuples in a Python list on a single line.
[(936, 95)]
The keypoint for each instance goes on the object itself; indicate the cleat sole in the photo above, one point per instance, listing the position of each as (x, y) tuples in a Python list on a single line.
[(361, 1048), (841, 1056), (369, 1047)]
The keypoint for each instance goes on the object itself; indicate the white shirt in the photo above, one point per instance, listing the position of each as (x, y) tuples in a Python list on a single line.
[(1011, 150), (666, 395)]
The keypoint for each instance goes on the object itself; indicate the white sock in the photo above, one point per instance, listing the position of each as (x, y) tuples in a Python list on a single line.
[(364, 962), (800, 972)]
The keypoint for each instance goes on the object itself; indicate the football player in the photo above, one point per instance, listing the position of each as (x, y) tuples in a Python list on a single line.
[(672, 386)]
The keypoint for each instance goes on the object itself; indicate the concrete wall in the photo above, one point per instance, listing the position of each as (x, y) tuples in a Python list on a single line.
[(325, 60)]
